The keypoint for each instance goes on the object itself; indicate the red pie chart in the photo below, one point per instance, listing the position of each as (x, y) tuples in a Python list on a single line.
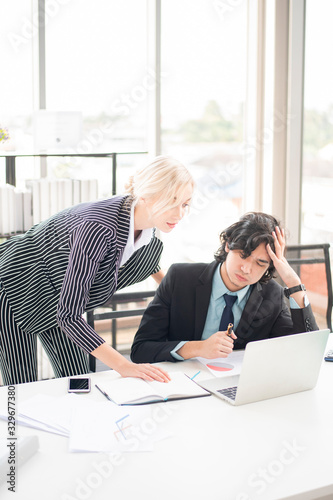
[(220, 367)]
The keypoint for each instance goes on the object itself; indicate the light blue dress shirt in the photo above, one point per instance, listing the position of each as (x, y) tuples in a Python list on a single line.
[(216, 307)]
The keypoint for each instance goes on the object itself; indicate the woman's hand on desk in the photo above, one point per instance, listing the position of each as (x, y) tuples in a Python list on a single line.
[(125, 368), (218, 345), (144, 371)]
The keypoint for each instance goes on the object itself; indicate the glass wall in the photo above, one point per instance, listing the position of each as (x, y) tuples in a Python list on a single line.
[(19, 77), (317, 182), (203, 87), (317, 171), (97, 65), (17, 38)]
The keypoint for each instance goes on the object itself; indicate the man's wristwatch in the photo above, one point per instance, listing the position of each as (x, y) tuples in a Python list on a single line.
[(293, 289)]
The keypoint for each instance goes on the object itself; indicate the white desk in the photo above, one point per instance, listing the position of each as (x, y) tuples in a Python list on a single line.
[(275, 449)]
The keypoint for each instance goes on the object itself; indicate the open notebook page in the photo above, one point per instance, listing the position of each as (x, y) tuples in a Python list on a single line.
[(126, 390)]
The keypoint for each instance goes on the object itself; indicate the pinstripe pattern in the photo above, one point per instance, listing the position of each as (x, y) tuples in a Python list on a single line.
[(135, 270), (18, 352), (66, 358), (69, 264)]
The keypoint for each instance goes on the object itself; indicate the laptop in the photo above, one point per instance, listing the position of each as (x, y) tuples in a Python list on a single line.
[(272, 368)]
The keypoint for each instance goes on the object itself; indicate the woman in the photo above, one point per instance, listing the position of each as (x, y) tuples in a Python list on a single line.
[(75, 261)]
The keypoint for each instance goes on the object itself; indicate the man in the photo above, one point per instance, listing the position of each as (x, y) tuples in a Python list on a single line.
[(185, 318)]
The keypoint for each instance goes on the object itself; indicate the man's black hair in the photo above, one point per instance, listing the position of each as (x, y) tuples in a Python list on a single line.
[(246, 235)]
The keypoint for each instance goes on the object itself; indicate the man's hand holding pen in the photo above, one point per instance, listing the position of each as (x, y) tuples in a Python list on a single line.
[(230, 329), (218, 345)]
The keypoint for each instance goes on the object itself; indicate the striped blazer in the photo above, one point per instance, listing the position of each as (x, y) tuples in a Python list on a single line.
[(69, 264)]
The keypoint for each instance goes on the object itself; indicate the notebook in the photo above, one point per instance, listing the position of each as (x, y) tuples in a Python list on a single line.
[(135, 391), (274, 367)]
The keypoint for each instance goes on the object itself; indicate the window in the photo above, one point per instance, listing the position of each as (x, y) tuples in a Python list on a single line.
[(203, 87), (317, 168), (18, 38), (97, 64), (317, 182)]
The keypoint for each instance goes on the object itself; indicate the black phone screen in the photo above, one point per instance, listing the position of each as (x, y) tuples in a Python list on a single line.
[(79, 384)]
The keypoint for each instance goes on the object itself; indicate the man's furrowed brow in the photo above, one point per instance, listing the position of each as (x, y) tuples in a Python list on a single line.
[(264, 261)]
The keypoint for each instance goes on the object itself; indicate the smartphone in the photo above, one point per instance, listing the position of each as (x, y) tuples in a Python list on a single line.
[(79, 384)]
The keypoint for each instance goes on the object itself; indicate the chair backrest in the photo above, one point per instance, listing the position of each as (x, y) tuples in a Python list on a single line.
[(312, 264)]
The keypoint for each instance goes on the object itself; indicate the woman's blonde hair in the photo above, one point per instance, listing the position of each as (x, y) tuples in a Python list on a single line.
[(164, 178)]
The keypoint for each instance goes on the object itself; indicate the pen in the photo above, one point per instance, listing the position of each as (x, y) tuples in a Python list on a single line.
[(104, 393), (229, 330)]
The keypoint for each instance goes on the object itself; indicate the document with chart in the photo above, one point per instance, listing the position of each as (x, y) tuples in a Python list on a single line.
[(224, 367)]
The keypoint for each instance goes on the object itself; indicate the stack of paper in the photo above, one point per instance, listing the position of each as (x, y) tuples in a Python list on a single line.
[(48, 413), (91, 426), (106, 427)]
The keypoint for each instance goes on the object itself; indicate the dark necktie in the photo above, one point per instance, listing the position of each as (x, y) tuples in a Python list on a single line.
[(227, 315)]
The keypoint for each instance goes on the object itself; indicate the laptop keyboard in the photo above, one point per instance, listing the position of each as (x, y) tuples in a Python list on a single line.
[(230, 392)]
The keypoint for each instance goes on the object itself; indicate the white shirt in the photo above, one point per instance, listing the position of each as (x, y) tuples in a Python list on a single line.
[(131, 245)]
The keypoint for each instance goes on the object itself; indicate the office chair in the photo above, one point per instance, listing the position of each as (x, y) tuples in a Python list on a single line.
[(312, 264)]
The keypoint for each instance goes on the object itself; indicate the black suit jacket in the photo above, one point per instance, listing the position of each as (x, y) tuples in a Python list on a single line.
[(179, 308)]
